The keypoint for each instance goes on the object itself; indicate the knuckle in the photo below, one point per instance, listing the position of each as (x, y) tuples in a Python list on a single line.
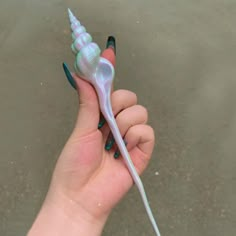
[(133, 96), (120, 118), (143, 110), (120, 98), (151, 132)]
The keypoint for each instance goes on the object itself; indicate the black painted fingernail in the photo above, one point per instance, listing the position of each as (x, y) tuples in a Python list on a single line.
[(102, 121), (68, 75), (111, 42), (117, 152), (110, 141)]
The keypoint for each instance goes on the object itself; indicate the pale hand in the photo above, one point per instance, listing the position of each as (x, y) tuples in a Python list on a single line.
[(88, 181)]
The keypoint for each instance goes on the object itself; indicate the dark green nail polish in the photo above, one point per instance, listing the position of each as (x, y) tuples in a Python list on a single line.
[(101, 122), (68, 75), (111, 42), (110, 141), (117, 152), (116, 155)]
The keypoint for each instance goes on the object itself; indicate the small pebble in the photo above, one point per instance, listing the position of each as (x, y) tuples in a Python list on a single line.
[(156, 173)]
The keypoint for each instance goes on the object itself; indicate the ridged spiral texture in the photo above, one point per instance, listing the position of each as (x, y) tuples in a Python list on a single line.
[(87, 52)]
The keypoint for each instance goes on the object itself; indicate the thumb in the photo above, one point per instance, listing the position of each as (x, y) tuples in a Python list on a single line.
[(88, 115)]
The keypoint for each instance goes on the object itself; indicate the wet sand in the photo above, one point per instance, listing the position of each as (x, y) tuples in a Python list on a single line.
[(179, 57)]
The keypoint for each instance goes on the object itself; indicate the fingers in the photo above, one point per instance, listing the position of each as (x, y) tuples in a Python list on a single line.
[(140, 143), (109, 54), (127, 118), (110, 51), (131, 116), (120, 99)]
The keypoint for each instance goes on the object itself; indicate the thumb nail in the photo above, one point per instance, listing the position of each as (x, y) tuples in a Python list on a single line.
[(68, 75)]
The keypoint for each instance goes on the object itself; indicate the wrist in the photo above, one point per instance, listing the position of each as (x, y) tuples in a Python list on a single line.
[(65, 217)]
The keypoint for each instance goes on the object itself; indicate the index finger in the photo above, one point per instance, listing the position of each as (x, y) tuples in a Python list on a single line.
[(110, 53)]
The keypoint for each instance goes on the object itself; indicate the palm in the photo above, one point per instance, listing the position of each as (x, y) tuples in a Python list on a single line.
[(85, 172), (106, 180)]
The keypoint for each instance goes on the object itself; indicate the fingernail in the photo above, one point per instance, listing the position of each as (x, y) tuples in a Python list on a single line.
[(102, 121), (117, 152), (68, 75), (110, 141), (111, 42)]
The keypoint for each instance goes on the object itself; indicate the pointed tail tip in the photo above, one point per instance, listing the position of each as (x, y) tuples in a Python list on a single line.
[(70, 15), (70, 12)]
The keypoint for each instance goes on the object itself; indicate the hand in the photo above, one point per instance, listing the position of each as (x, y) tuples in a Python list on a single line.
[(88, 181)]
